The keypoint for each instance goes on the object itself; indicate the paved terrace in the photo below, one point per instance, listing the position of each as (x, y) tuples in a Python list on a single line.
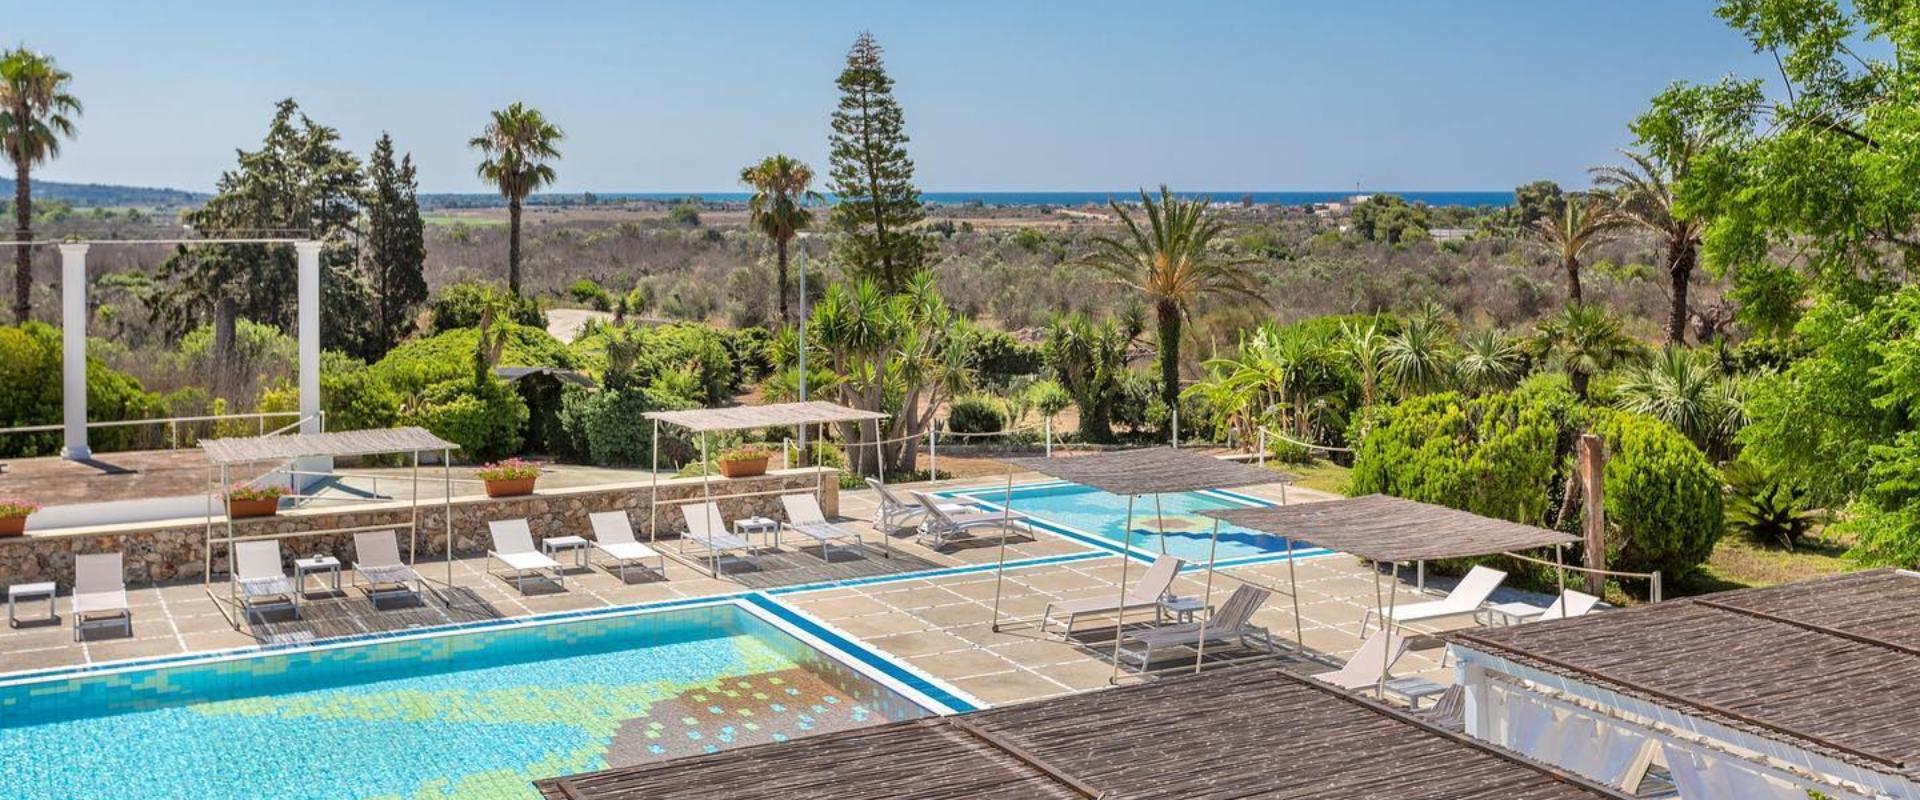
[(937, 622)]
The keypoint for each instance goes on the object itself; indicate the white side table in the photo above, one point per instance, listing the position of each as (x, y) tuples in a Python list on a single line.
[(1181, 609), (752, 525), (578, 545), (302, 567), (27, 592)]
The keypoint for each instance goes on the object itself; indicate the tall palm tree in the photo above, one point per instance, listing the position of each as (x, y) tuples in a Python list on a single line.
[(1172, 261), (1587, 220), (517, 144), (36, 112), (1644, 187), (782, 189), (1585, 341)]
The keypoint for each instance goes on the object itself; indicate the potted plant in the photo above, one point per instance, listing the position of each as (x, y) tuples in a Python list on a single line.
[(13, 515), (510, 478), (745, 461), (247, 500)]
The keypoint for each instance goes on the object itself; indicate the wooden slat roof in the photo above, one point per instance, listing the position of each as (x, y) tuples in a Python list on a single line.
[(1157, 470), (736, 418), (252, 449), (1830, 665), (1247, 732), (1381, 528)]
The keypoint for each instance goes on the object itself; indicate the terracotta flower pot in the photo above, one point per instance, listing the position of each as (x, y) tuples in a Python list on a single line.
[(242, 509), (13, 526), (744, 468), (511, 487)]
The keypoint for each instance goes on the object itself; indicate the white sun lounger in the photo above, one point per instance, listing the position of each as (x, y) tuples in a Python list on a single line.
[(805, 518), (376, 561), (613, 535), (1568, 605), (895, 513), (1371, 664), (1464, 601), (710, 529), (1145, 593), (513, 546), (261, 578), (1233, 623), (100, 594), (942, 526)]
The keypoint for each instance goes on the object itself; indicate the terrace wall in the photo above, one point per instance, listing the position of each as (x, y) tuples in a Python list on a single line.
[(175, 550)]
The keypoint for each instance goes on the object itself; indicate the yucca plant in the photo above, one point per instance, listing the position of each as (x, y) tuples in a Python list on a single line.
[(1765, 509), (1686, 390), (1420, 357), (1585, 340), (1489, 360)]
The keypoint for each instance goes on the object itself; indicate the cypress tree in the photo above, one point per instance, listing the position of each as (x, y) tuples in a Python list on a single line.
[(877, 205), (396, 248)]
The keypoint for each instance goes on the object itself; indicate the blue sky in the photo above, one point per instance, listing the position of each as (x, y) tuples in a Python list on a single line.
[(1471, 94)]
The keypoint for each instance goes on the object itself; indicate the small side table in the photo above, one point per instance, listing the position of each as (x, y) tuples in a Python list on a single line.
[(302, 567), (1414, 690), (1181, 609), (752, 525), (27, 592), (578, 545), (1511, 613)]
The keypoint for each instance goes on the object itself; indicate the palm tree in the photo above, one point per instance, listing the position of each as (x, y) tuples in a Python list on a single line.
[(517, 144), (1585, 341), (782, 189), (1173, 262), (1366, 347), (1587, 220), (36, 112), (1420, 357), (1489, 361), (1686, 390), (1644, 187)]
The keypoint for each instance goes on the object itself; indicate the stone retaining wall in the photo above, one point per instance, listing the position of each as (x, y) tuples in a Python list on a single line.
[(177, 550)]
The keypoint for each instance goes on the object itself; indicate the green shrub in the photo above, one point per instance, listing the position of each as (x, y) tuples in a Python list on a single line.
[(30, 394), (485, 420), (419, 363), (1662, 496), (607, 427), (354, 396), (1765, 510), (997, 358), (976, 413), (660, 353), (590, 293), (458, 305)]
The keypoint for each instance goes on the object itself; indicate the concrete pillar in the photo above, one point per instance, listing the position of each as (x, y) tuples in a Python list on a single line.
[(73, 350), (309, 334)]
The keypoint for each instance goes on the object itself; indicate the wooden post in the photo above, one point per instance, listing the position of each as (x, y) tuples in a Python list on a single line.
[(1593, 472)]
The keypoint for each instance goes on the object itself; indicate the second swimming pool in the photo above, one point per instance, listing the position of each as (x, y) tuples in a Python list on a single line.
[(1169, 523)]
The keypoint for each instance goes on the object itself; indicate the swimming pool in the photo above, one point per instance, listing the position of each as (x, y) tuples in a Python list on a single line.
[(1099, 518), (464, 715)]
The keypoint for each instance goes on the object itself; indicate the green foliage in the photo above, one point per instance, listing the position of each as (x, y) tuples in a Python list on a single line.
[(782, 190), (396, 249), (1685, 389), (1048, 397), (257, 349), (1663, 499), (685, 213), (1769, 297), (519, 145), (1765, 510), (1390, 219), (877, 205), (355, 396), (976, 413), (590, 293), (484, 420), (607, 427), (996, 358), (458, 305), (645, 356), (1089, 359), (447, 356), (30, 393)]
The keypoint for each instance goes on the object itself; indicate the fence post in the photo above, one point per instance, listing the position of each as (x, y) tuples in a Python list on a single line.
[(1593, 461), (1176, 427), (933, 454), (786, 452), (1046, 436), (1658, 593), (1263, 445)]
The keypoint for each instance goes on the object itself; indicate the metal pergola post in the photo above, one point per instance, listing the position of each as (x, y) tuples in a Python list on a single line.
[(1213, 549), (879, 461), (1120, 622), (706, 500), (446, 512), (1293, 590), (1000, 568), (653, 501)]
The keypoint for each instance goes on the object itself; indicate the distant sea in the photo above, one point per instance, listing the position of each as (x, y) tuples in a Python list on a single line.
[(1446, 198)]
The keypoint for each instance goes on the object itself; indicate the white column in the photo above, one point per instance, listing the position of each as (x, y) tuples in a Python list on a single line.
[(73, 349), (309, 334)]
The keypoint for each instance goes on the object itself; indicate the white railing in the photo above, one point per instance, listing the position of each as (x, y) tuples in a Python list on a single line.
[(173, 424)]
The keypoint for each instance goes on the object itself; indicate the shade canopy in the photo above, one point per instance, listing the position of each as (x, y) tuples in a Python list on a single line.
[(251, 449), (1210, 735), (1158, 470), (739, 418), (1391, 529)]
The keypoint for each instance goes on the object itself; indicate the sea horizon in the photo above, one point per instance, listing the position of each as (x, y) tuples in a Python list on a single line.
[(1470, 198)]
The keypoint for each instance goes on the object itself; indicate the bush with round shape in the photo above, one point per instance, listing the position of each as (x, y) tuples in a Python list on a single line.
[(976, 413)]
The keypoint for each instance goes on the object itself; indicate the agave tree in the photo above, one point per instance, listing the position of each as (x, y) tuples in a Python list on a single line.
[(1585, 222), (782, 190), (518, 145), (1644, 188), (1489, 360), (1585, 340), (36, 112), (1172, 262)]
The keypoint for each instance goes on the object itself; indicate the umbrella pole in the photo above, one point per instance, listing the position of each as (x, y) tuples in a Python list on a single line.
[(1160, 518), (1386, 625), (1293, 589), (653, 499), (886, 541), (1120, 622), (1000, 569), (1200, 653)]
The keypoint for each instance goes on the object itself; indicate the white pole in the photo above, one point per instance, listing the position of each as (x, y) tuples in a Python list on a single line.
[(933, 452), (800, 264), (1213, 549), (1000, 568), (73, 352), (1176, 427), (1263, 446), (1293, 588), (1120, 623), (653, 500), (446, 512), (308, 254), (1046, 436)]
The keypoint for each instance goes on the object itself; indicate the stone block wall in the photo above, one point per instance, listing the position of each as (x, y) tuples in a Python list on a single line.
[(176, 550)]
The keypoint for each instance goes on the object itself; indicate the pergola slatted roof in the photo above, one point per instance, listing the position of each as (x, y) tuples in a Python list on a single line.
[(735, 418), (1252, 731), (1830, 665), (1391, 529), (251, 449), (1158, 470)]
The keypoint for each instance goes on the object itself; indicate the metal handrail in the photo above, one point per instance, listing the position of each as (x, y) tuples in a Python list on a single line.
[(1653, 578), (55, 427)]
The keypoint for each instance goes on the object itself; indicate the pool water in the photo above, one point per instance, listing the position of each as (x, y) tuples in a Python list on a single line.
[(1081, 511), (474, 715)]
